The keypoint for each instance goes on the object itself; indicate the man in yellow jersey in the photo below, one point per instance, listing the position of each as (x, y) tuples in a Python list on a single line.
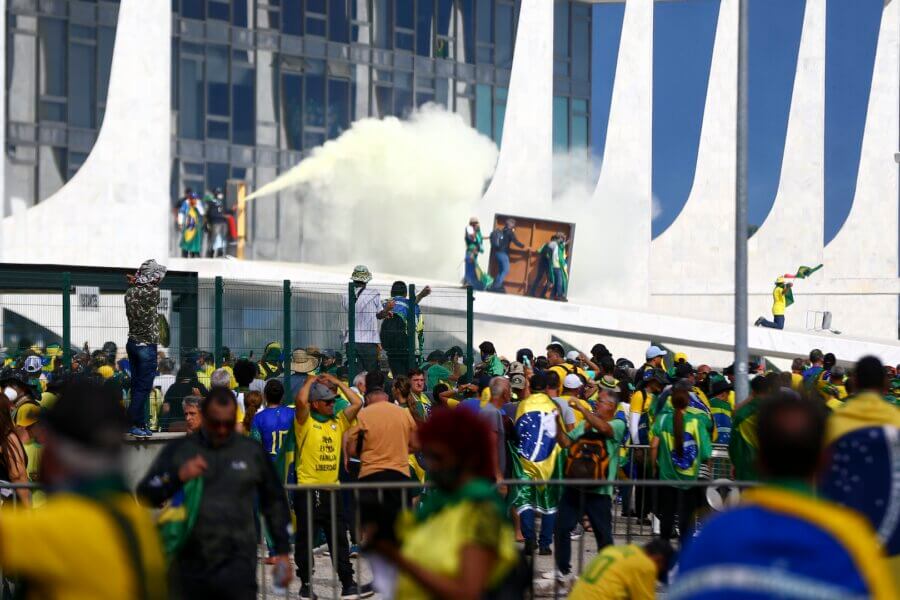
[(90, 539), (556, 356), (319, 435), (779, 304), (624, 572), (862, 438)]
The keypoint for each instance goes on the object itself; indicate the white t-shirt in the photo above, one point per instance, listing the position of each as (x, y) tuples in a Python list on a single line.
[(368, 305), (554, 257)]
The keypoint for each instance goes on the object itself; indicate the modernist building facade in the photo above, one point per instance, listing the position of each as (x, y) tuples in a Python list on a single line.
[(199, 92), (257, 84)]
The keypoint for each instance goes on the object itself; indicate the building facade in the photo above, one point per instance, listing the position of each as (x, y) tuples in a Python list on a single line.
[(257, 84)]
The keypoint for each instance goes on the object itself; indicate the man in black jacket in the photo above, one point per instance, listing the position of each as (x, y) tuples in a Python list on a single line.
[(501, 238), (218, 559)]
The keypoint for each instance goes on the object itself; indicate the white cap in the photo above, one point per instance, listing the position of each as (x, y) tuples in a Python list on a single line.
[(572, 382), (654, 352), (573, 355)]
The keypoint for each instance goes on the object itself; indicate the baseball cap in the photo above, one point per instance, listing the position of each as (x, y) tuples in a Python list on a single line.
[(517, 381), (572, 382), (320, 392), (655, 352), (516, 368), (106, 372), (680, 357), (573, 355), (27, 414)]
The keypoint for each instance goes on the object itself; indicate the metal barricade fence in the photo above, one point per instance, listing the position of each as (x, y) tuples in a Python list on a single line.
[(306, 499), (75, 316)]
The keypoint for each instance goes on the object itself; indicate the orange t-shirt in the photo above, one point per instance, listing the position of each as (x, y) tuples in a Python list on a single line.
[(388, 429)]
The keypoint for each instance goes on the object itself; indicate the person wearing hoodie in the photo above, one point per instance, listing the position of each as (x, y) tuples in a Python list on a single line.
[(141, 302)]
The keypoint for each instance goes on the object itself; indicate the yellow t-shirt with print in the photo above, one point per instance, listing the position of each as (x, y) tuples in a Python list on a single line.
[(617, 573), (319, 449), (71, 548), (579, 417)]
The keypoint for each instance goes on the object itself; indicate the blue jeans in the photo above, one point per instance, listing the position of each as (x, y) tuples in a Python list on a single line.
[(143, 370), (503, 266), (778, 324), (558, 291), (598, 508), (526, 519)]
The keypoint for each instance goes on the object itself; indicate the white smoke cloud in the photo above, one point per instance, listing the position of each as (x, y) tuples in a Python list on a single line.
[(392, 194)]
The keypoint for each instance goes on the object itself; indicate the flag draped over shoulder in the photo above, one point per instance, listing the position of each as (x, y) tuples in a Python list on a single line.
[(536, 455), (177, 518)]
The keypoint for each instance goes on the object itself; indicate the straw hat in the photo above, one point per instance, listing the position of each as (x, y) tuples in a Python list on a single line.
[(302, 361), (361, 274)]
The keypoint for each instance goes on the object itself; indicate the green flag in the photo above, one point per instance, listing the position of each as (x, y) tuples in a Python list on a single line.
[(177, 518), (803, 271)]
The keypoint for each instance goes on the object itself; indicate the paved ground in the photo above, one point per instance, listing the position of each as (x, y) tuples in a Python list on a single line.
[(585, 547)]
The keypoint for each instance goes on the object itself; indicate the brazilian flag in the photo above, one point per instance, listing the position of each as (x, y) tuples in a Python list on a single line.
[(177, 518), (803, 271)]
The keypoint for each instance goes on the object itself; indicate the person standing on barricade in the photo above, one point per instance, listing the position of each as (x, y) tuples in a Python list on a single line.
[(369, 311), (319, 436), (141, 302), (216, 558)]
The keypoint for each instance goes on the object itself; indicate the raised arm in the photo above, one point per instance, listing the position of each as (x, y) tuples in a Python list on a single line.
[(426, 291), (301, 401), (601, 426)]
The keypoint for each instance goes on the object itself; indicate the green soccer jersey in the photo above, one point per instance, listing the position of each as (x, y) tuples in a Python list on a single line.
[(697, 447)]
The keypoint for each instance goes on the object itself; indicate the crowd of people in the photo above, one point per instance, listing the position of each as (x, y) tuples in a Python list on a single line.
[(471, 473), (203, 221)]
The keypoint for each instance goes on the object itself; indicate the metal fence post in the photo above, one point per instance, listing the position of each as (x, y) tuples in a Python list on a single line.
[(411, 329), (470, 332), (218, 309), (67, 319), (351, 330), (286, 322)]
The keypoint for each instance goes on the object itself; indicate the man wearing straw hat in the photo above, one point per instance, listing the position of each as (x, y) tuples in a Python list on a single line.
[(368, 312), (302, 364)]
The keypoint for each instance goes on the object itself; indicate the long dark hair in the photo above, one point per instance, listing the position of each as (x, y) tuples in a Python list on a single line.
[(680, 399), (401, 387)]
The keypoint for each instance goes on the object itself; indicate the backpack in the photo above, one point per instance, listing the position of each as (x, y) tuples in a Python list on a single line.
[(588, 458)]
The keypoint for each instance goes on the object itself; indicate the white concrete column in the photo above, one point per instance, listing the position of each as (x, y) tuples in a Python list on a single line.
[(114, 211), (862, 257), (793, 233), (523, 181), (676, 282), (623, 195), (866, 245)]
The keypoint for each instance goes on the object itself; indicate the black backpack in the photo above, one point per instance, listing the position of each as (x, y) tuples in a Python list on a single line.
[(588, 458)]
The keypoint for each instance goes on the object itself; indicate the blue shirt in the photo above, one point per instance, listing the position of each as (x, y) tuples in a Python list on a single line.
[(270, 425), (473, 404)]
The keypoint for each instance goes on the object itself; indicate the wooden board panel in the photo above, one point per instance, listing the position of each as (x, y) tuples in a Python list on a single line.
[(523, 262)]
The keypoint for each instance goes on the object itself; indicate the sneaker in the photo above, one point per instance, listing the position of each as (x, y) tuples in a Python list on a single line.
[(137, 432), (306, 592), (758, 322), (576, 533), (354, 590), (147, 432), (321, 550), (545, 551), (354, 550)]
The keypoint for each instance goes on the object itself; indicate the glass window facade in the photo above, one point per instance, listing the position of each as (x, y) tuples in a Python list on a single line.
[(257, 84)]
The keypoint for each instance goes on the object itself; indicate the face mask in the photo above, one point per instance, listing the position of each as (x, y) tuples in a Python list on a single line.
[(445, 479), (10, 394)]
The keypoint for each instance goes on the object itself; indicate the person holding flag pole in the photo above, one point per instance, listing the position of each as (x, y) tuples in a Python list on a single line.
[(783, 297)]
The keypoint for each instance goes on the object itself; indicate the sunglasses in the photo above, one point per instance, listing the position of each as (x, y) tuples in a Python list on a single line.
[(328, 401)]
